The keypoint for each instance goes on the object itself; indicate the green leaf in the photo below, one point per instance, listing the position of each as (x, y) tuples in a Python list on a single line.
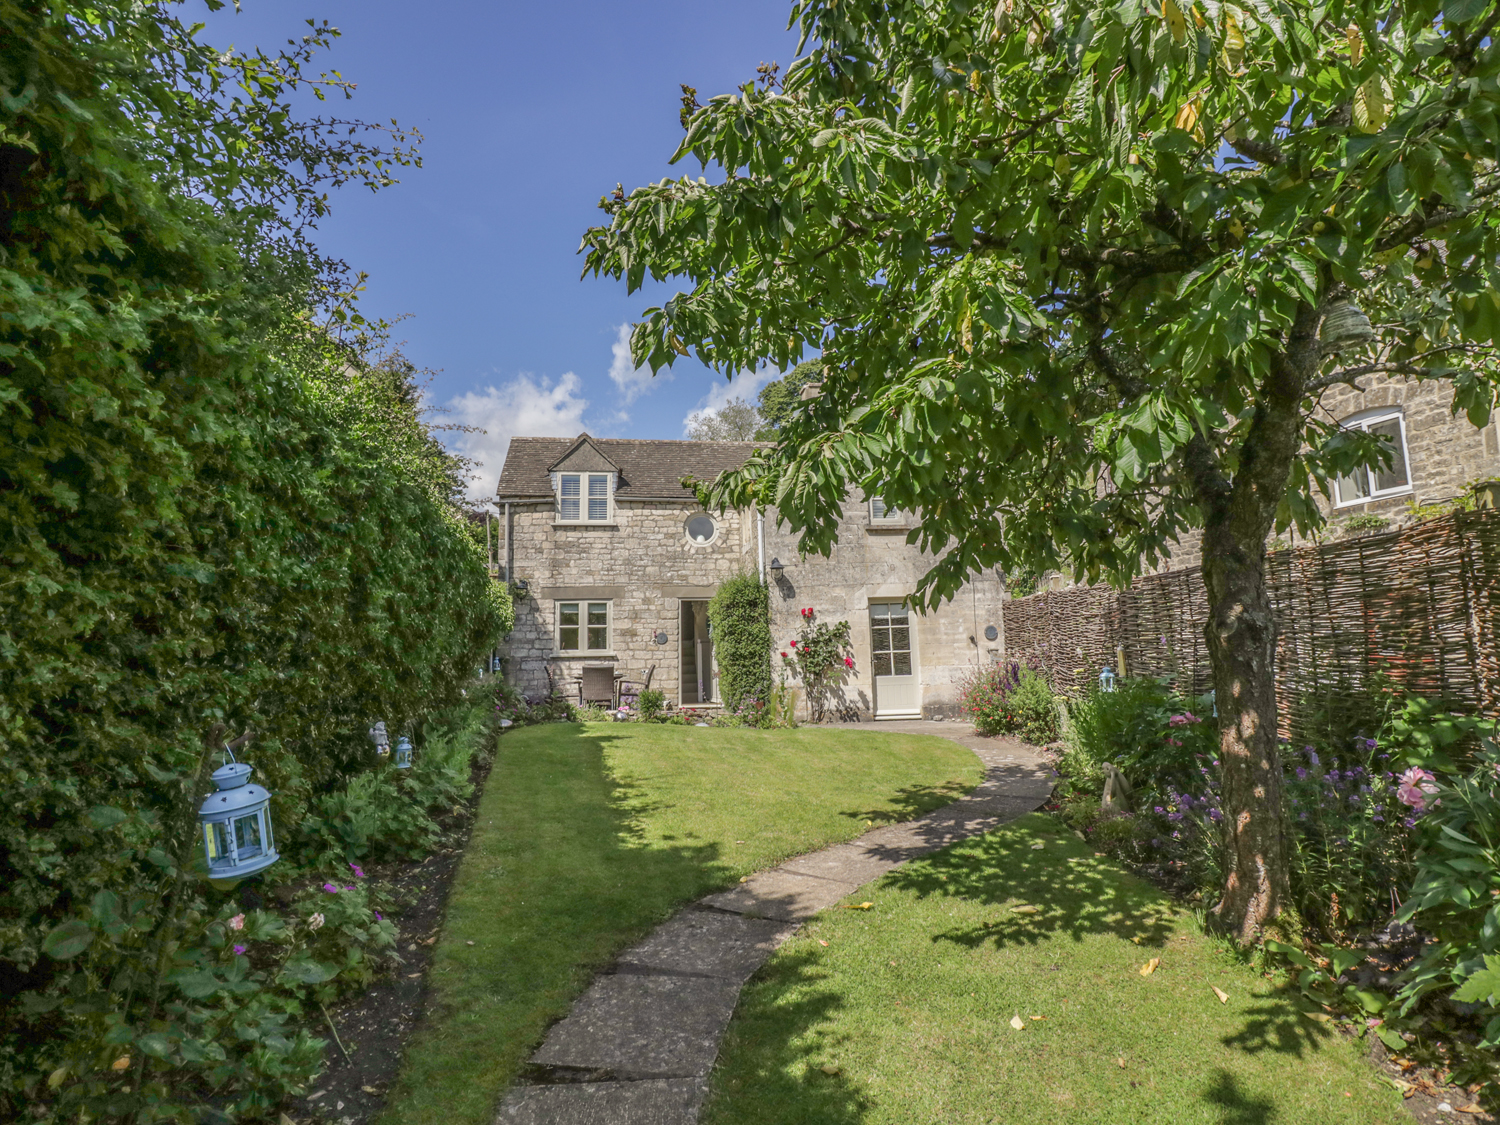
[(67, 940), (195, 984), (106, 816), (1482, 987), (307, 971), (1390, 1038), (155, 1044), (825, 137)]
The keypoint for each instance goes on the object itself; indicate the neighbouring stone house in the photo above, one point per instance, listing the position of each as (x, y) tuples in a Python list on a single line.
[(1439, 456), (615, 562)]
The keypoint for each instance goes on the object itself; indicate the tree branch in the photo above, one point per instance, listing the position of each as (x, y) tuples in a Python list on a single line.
[(1263, 152)]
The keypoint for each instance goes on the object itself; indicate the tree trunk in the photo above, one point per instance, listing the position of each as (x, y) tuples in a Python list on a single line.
[(1241, 635), (1241, 631)]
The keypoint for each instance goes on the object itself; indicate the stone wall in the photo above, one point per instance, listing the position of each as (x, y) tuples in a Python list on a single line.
[(872, 562), (646, 567), (643, 563)]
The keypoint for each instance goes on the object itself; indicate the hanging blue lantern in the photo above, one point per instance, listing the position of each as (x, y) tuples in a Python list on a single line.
[(403, 753), (237, 836), (1107, 679)]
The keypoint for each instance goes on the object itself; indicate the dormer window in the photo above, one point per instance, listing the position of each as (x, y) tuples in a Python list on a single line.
[(583, 497)]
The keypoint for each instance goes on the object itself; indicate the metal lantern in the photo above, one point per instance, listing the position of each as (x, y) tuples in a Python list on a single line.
[(237, 836), (403, 753), (1107, 679), (1345, 326), (777, 566)]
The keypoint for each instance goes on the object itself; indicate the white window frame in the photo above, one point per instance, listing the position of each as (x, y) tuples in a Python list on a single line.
[(586, 484), (879, 513), (582, 606), (1363, 421)]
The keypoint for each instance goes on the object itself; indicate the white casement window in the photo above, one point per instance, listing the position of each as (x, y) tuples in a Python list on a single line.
[(583, 627), (1376, 483), (583, 497), (879, 513)]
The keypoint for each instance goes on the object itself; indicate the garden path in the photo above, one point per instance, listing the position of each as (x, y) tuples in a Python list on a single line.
[(638, 1046)]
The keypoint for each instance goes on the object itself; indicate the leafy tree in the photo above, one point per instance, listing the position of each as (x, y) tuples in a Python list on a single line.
[(736, 420), (780, 397), (1073, 270)]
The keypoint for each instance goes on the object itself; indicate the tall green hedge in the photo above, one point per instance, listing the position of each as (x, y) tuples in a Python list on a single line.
[(218, 504), (740, 616)]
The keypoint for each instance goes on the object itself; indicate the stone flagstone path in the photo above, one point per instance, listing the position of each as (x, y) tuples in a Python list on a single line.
[(638, 1046)]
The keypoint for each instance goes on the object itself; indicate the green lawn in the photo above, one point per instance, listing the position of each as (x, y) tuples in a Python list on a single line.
[(589, 835), (911, 1002)]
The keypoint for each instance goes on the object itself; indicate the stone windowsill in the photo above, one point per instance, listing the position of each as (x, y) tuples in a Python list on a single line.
[(563, 524), (582, 656)]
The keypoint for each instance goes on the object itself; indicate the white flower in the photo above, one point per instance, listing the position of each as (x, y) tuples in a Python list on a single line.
[(315, 922)]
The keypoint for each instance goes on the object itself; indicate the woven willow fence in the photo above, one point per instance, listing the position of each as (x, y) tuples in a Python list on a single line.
[(1415, 609)]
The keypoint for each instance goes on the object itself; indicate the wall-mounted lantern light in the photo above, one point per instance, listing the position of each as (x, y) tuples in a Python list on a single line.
[(236, 820), (403, 753), (777, 566), (1107, 679)]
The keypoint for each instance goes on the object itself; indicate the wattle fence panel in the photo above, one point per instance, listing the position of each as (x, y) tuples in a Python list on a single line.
[(1414, 611)]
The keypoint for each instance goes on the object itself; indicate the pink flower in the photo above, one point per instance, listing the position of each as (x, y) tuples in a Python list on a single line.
[(848, 662), (1182, 720), (358, 871), (1415, 788), (330, 888), (239, 949), (237, 922)]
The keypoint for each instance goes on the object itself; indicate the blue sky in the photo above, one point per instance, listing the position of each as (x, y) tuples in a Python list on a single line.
[(530, 112)]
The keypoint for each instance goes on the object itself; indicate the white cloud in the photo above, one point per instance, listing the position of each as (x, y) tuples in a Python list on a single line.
[(745, 385), (526, 407), (632, 381)]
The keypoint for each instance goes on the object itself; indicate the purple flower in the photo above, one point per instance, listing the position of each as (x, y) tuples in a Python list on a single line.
[(1160, 811), (1301, 774), (1379, 819), (330, 888), (1302, 816), (358, 871), (1156, 841), (1215, 815), (1175, 817), (239, 949), (1370, 744), (379, 917), (1410, 822), (1312, 755)]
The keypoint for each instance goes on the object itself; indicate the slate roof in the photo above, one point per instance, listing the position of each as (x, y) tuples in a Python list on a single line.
[(647, 468)]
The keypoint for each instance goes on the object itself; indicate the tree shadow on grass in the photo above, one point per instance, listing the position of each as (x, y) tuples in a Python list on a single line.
[(1278, 1025), (911, 802), (1075, 895), (1239, 1107), (770, 1071)]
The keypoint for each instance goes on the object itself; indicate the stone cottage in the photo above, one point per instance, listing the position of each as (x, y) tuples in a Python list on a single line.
[(613, 563), (1437, 457)]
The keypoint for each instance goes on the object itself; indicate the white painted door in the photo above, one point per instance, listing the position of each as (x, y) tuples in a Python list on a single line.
[(894, 662)]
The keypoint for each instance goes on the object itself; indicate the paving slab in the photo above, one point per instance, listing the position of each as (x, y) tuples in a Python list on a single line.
[(707, 943), (669, 1101), (643, 1026), (845, 863), (781, 894)]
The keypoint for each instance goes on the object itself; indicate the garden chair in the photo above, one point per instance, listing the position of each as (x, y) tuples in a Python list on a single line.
[(631, 691), (597, 686)]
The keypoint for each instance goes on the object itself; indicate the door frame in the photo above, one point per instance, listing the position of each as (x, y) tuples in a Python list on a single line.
[(916, 658)]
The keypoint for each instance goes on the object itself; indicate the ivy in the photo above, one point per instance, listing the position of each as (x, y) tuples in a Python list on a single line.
[(740, 616)]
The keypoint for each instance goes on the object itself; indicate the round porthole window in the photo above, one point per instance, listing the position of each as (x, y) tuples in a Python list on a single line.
[(701, 528)]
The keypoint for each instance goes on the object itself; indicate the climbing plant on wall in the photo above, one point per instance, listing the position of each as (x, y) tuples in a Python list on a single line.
[(740, 617)]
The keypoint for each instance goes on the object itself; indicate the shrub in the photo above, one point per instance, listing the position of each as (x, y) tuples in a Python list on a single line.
[(740, 616), (1011, 699), (651, 702), (1456, 896)]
